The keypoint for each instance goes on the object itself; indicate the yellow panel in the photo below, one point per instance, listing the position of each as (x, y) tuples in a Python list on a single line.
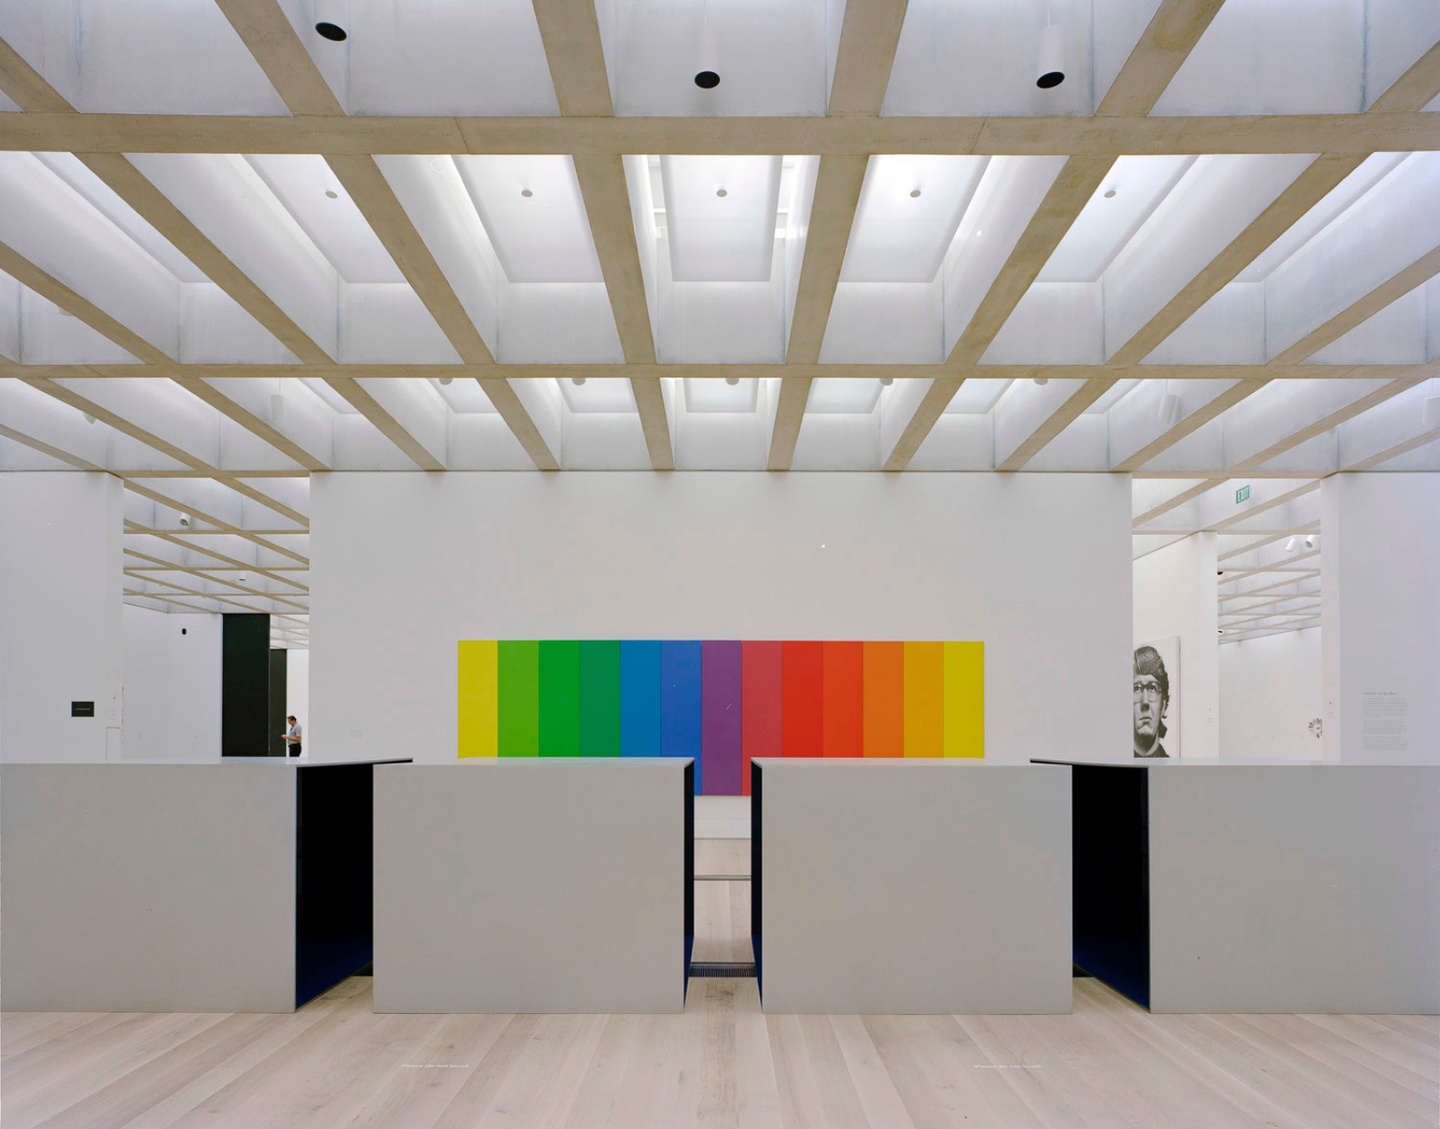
[(924, 699), (479, 721), (964, 699)]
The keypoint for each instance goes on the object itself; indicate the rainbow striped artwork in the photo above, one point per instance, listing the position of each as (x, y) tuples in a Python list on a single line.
[(721, 701)]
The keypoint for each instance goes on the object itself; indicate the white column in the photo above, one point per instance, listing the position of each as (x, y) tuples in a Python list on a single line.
[(61, 626), (1380, 613), (1176, 594)]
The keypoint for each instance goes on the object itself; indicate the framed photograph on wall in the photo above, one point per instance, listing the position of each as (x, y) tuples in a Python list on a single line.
[(1155, 712)]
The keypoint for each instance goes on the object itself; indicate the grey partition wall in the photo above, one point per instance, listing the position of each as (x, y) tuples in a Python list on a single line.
[(1214, 887), (911, 886), (217, 885), (534, 885)]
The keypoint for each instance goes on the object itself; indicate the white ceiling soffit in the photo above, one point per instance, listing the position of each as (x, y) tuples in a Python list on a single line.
[(463, 395), (720, 217), (981, 57), (1347, 194), (775, 58), (140, 56), (104, 199), (533, 212), (1134, 189), (598, 394), (977, 396), (428, 57), (705, 395), (1265, 56), (847, 396), (314, 197), (910, 208)]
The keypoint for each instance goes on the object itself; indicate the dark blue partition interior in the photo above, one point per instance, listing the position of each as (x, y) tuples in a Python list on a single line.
[(334, 876), (1112, 876)]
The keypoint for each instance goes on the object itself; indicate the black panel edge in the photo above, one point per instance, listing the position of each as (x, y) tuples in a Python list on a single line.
[(688, 799), (756, 871)]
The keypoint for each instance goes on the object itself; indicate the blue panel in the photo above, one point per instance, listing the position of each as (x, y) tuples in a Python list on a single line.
[(639, 698), (680, 701)]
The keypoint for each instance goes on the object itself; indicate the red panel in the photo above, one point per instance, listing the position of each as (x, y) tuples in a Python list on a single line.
[(802, 678), (842, 723), (760, 705)]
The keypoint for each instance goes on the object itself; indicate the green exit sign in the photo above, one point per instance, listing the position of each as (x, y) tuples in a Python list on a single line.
[(1242, 495)]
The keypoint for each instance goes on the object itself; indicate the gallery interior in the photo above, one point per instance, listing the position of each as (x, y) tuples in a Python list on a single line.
[(576, 564)]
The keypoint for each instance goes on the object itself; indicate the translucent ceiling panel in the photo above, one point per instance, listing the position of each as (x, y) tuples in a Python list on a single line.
[(773, 57), (909, 210), (140, 56), (976, 396), (427, 57), (711, 395), (720, 217), (1350, 190), (312, 195), (1132, 191), (1274, 57), (843, 396), (977, 57), (598, 394), (532, 211)]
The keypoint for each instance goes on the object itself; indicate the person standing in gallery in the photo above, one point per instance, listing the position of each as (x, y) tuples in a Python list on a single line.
[(293, 736), (1151, 689)]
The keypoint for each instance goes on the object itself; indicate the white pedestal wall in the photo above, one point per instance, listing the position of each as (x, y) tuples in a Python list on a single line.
[(914, 887), (1380, 607), (60, 615)]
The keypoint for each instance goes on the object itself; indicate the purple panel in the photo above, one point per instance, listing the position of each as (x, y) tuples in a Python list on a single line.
[(720, 734)]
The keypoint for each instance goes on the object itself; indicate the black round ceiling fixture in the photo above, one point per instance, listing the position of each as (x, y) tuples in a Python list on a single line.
[(1050, 79), (707, 80)]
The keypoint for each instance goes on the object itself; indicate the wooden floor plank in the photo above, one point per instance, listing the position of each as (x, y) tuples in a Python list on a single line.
[(722, 1063), (94, 1062)]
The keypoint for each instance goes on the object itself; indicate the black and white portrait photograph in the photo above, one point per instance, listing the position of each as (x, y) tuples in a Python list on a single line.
[(1155, 710)]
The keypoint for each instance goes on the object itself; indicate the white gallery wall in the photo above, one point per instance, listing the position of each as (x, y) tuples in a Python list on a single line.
[(297, 690), (405, 564), (61, 633), (172, 684), (1269, 695), (1176, 594), (1380, 610)]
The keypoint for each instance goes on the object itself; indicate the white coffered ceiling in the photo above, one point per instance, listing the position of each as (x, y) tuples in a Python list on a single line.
[(504, 235)]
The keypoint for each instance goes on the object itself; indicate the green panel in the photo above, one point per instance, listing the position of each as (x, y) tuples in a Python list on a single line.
[(519, 693), (559, 698), (600, 698)]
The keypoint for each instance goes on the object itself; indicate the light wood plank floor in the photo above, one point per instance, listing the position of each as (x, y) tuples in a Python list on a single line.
[(721, 1063)]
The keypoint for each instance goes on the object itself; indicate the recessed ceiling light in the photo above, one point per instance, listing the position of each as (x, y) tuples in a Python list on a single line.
[(721, 193), (914, 193), (525, 192), (1109, 193), (707, 80), (331, 194), (1051, 71), (328, 14)]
